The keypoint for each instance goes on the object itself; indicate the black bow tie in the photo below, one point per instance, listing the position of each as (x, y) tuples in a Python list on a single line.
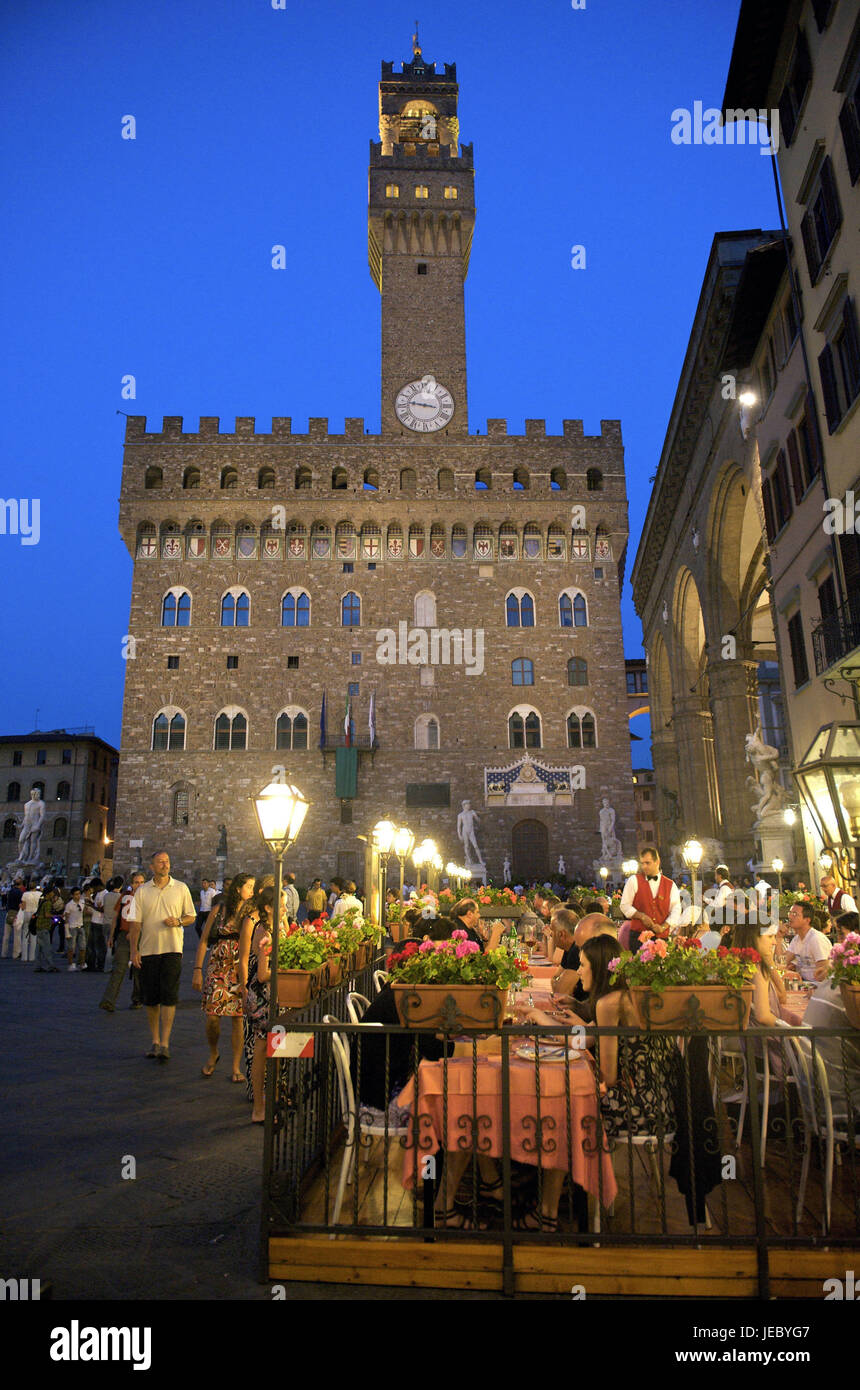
[(653, 878)]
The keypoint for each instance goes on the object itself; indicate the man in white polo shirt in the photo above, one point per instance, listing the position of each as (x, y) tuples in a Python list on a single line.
[(159, 911), (808, 945)]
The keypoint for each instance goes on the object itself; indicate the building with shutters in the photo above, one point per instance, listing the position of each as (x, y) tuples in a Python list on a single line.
[(452, 592)]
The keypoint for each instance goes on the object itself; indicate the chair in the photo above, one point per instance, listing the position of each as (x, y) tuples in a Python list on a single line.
[(357, 1006), (380, 978), (356, 1128), (810, 1077)]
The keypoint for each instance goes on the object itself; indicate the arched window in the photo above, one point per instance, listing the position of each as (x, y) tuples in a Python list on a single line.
[(191, 478), (339, 480), (296, 609), (594, 480), (154, 477), (519, 609), (524, 729), (291, 730), (176, 608), (408, 480), (168, 731), (229, 479), (581, 729), (445, 480), (304, 479), (231, 730), (64, 792), (521, 479), (426, 731), (577, 671), (235, 608), (522, 671), (61, 828), (181, 806), (350, 610), (482, 479), (9, 828), (424, 609), (572, 609), (558, 480), (13, 791), (266, 477), (371, 480)]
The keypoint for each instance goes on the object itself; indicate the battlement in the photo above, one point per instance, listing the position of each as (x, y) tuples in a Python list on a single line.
[(245, 432), (420, 71), (421, 159)]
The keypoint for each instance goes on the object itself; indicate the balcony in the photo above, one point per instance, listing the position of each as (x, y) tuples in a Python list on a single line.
[(836, 636)]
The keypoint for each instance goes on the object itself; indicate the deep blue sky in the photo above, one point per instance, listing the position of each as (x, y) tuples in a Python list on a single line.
[(152, 257)]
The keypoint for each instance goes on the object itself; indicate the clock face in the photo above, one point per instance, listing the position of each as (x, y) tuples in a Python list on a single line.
[(424, 405)]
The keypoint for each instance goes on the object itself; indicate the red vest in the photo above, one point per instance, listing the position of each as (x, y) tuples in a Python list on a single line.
[(834, 904), (656, 908)]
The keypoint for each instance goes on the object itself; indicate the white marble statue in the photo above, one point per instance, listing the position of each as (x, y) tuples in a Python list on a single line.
[(30, 838), (611, 845), (506, 870), (561, 869), (772, 796), (467, 822)]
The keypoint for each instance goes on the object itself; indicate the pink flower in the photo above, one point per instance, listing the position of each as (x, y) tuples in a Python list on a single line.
[(438, 945), (462, 949), (614, 963), (459, 935), (426, 946), (659, 948)]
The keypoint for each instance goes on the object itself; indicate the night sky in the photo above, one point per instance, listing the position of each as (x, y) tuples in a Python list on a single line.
[(152, 257)]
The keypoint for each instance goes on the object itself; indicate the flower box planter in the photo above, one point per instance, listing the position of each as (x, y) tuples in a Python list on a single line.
[(298, 987), (692, 1006), (398, 929), (454, 1007), (851, 1000), (333, 969)]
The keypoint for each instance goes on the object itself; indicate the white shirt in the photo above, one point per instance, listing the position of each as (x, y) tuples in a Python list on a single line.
[(291, 894), (629, 894), (98, 905), (206, 896), (30, 901), (345, 903), (763, 887), (74, 914), (812, 948), (847, 904), (150, 906)]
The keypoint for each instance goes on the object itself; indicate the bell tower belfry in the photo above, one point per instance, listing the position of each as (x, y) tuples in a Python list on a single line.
[(421, 215)]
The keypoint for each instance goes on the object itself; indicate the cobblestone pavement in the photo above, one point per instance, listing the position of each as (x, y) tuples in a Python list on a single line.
[(79, 1096)]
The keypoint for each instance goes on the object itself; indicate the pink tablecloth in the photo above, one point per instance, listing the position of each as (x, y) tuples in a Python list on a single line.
[(543, 972), (591, 1172)]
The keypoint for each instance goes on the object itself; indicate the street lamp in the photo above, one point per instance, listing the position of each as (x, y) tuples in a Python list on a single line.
[(629, 867), (789, 815), (829, 781), (693, 854), (604, 874), (403, 842), (281, 811), (424, 854), (777, 865)]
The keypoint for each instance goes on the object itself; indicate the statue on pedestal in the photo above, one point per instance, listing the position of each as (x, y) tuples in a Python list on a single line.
[(467, 822), (611, 846), (30, 837), (772, 796), (506, 870), (561, 869)]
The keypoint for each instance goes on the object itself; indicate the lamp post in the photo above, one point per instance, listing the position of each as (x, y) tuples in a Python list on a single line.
[(425, 854), (777, 865), (693, 854), (604, 874), (381, 838), (629, 867), (402, 844), (281, 811), (828, 778)]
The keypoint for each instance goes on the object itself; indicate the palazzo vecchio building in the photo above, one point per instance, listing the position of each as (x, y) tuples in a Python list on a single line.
[(459, 588)]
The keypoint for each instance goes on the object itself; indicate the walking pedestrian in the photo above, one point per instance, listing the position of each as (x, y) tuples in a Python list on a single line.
[(120, 944), (96, 943), (222, 996), (254, 976), (73, 916), (315, 900), (159, 911), (207, 894), (50, 906), (29, 906), (291, 894), (11, 935)]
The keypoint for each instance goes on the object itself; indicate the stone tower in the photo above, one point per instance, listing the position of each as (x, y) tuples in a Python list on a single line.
[(467, 583)]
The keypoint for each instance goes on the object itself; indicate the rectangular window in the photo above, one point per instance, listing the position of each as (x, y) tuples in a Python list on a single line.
[(173, 663), (598, 573), (631, 683), (232, 663), (41, 757), (428, 793), (422, 191), (451, 191), (798, 650), (796, 87), (371, 565), (821, 221), (346, 813), (356, 658), (849, 123), (16, 758), (352, 689), (839, 366), (292, 663), (392, 190), (348, 567), (67, 755), (421, 268)]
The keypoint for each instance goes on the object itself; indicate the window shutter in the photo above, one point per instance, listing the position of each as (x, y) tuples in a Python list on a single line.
[(849, 546), (811, 422), (832, 205), (767, 500), (810, 245), (801, 68), (786, 116), (850, 138), (852, 342), (797, 477), (828, 386), (783, 494)]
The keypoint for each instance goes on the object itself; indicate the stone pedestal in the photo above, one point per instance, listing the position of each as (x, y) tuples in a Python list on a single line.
[(776, 841)]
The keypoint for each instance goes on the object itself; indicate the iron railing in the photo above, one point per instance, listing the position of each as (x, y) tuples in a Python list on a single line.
[(836, 635), (752, 1136)]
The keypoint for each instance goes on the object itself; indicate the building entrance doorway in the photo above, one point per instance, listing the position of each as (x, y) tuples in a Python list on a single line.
[(529, 851)]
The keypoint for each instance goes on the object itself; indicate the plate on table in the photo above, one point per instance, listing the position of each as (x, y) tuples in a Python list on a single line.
[(550, 1052), (539, 960)]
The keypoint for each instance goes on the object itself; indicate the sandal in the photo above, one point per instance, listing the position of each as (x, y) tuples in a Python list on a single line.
[(210, 1066), (536, 1221), (491, 1194), (154, 1051), (455, 1220), (237, 1076)]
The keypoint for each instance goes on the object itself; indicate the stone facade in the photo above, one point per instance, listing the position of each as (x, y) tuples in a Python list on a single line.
[(78, 775), (432, 530)]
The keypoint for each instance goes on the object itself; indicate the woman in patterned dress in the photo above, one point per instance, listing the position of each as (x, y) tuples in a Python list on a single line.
[(255, 974), (222, 997)]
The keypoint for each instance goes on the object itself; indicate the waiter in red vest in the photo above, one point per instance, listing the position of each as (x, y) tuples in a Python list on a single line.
[(837, 899), (650, 900)]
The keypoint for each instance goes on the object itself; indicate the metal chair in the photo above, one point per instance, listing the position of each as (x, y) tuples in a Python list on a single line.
[(380, 978), (357, 1129), (357, 1006)]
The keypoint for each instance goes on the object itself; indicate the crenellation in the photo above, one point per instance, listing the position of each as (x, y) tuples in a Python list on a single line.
[(209, 426)]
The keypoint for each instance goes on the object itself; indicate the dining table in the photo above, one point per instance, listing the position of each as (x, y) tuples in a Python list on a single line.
[(553, 1108)]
